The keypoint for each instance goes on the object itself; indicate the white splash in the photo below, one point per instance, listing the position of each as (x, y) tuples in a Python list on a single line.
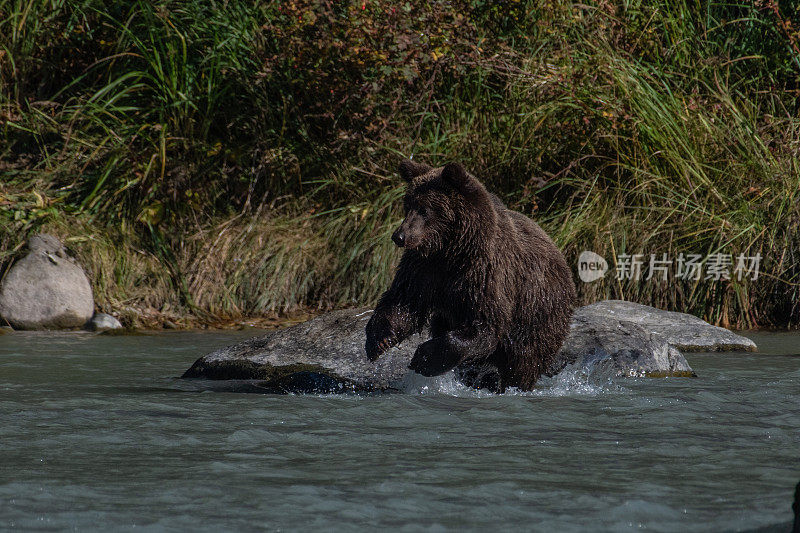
[(572, 381)]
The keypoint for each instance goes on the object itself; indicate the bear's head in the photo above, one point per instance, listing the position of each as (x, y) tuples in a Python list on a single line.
[(445, 207)]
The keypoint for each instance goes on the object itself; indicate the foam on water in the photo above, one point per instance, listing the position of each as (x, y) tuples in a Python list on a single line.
[(572, 381)]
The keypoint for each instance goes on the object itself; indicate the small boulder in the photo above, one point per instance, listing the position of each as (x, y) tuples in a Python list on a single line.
[(103, 322), (46, 289)]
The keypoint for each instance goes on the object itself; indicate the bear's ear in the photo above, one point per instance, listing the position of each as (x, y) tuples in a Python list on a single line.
[(411, 169), (454, 175)]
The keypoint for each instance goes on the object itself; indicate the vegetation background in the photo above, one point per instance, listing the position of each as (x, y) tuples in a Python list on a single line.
[(217, 159)]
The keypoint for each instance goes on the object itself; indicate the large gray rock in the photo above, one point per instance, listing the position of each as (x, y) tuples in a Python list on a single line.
[(629, 339), (685, 332), (46, 289), (618, 348), (322, 354), (326, 354)]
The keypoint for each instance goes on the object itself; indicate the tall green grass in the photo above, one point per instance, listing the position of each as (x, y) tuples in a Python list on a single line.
[(220, 159)]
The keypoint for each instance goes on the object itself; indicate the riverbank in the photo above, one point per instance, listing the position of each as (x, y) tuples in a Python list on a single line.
[(159, 322), (205, 162)]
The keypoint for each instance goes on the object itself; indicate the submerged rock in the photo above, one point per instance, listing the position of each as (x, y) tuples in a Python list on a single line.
[(103, 322), (326, 354), (46, 289)]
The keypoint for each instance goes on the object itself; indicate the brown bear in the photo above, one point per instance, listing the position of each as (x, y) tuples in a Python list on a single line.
[(494, 290)]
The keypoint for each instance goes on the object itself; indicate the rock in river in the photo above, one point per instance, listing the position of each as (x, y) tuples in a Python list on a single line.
[(103, 322), (630, 339), (46, 289), (326, 354), (685, 332)]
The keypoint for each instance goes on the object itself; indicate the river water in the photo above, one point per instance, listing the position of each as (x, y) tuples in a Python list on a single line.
[(97, 433)]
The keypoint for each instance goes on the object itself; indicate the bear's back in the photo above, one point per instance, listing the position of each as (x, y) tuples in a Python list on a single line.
[(531, 262), (521, 232)]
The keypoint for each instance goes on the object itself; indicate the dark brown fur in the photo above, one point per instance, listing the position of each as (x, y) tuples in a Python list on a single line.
[(494, 289)]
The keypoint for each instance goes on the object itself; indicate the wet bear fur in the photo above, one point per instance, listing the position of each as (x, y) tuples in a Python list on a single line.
[(493, 289)]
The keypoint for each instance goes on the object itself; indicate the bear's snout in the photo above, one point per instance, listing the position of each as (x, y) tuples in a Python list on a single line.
[(399, 237)]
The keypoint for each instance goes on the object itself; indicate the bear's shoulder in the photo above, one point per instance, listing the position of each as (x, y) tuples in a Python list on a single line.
[(497, 203)]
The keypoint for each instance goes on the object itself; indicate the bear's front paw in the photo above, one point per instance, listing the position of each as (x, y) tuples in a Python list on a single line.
[(379, 339), (434, 357)]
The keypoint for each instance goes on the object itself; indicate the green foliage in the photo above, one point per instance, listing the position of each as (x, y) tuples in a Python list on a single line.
[(237, 158)]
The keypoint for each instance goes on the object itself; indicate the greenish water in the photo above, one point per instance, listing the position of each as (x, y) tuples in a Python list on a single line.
[(98, 434)]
